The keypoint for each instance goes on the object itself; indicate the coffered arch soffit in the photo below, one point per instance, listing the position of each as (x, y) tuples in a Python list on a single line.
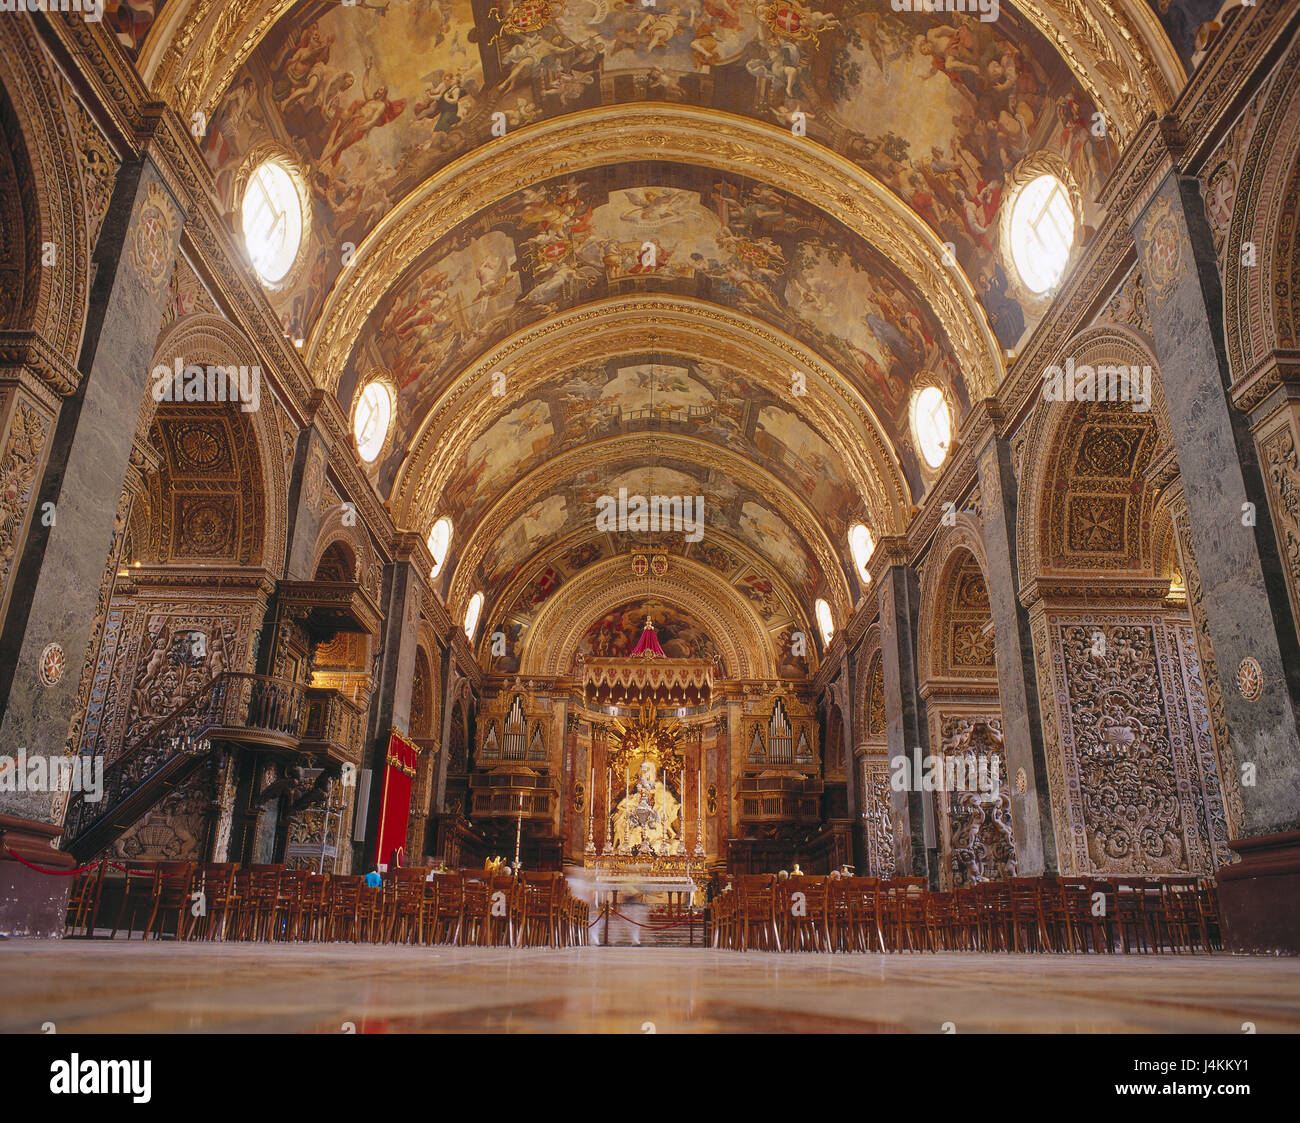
[(1089, 507)]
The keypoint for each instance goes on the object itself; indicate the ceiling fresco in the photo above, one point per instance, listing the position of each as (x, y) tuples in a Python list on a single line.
[(374, 98), (629, 395), (730, 241), (732, 508)]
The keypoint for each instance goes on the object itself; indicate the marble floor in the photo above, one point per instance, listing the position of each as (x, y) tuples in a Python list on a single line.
[(120, 987)]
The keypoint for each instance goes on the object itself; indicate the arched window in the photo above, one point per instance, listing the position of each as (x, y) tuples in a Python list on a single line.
[(271, 215), (931, 425), (373, 418), (825, 621), (862, 544), (472, 614), (439, 540), (1042, 232)]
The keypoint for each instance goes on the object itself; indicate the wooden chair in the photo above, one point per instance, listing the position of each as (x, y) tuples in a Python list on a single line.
[(472, 928), (800, 910), (1207, 899), (308, 922), (342, 919), (941, 921), (371, 905), (755, 897), (544, 905), (448, 908), (504, 919), (903, 913), (139, 891), (83, 903), (1132, 917), (968, 918), (409, 914), (216, 881), (173, 894), (1084, 917), (839, 914), (1027, 929), (260, 900)]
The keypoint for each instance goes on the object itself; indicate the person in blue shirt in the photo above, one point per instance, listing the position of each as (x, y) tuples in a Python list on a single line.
[(373, 879)]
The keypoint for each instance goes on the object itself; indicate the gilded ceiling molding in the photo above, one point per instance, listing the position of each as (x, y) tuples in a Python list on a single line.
[(55, 211), (747, 555), (204, 49), (709, 138), (1252, 294), (625, 449), (648, 322), (1125, 83), (554, 637)]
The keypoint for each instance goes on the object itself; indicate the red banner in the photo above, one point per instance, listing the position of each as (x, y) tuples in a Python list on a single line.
[(395, 809)]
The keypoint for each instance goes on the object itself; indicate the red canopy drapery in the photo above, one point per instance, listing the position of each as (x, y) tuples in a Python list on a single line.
[(395, 808), (648, 644)]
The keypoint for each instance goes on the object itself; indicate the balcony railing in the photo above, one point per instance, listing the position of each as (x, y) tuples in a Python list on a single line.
[(255, 711)]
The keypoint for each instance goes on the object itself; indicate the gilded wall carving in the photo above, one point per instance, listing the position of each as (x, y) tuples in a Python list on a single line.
[(1127, 784), (978, 839), (22, 457), (1282, 474)]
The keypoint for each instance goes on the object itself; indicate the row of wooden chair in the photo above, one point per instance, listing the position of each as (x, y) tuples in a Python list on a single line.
[(1021, 914), (221, 901)]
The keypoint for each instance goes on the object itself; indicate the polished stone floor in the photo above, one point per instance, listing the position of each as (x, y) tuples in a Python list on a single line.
[(122, 987)]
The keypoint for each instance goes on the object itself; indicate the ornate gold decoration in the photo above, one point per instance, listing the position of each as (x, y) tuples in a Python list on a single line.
[(1162, 247), (153, 244)]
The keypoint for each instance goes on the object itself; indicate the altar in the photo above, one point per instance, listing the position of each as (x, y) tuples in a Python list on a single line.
[(642, 900)]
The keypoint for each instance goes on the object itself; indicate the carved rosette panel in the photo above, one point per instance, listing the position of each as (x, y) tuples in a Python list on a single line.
[(1126, 782)]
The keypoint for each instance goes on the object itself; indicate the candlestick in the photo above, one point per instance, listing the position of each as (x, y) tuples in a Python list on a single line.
[(519, 831), (609, 795), (699, 812), (590, 848)]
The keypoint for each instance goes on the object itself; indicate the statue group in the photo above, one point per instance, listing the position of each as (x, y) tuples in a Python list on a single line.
[(647, 818)]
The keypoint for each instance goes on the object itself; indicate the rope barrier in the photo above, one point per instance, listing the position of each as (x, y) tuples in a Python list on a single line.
[(62, 873), (655, 927)]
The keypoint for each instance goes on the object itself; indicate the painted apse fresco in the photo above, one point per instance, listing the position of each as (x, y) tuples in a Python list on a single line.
[(724, 239), (377, 96)]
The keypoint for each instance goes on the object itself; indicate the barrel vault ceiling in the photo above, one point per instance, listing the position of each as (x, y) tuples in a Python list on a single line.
[(693, 247)]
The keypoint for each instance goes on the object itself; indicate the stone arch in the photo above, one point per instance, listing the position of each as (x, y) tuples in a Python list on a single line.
[(334, 531), (1057, 437), (36, 128), (207, 339), (735, 627), (1260, 304), (955, 642)]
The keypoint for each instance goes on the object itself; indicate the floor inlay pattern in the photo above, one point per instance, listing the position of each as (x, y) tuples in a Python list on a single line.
[(122, 987)]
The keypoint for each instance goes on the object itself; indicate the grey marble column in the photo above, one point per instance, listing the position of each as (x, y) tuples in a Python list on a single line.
[(916, 853), (1022, 726), (390, 706), (1245, 597), (47, 630)]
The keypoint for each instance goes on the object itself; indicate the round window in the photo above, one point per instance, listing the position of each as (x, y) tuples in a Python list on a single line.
[(271, 214)]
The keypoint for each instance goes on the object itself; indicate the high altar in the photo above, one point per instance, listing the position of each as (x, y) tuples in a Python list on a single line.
[(643, 771)]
